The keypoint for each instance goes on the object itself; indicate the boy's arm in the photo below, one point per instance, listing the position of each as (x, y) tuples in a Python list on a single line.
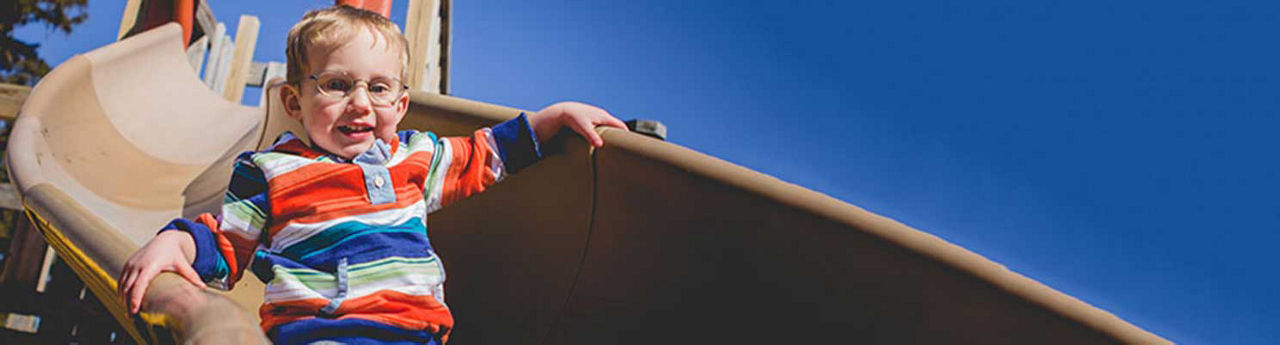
[(206, 249), (462, 166), (170, 251), (468, 165)]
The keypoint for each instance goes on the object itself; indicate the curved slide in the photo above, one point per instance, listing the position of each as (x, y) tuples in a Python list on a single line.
[(640, 241)]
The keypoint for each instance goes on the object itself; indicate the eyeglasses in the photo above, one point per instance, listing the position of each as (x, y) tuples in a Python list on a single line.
[(381, 91)]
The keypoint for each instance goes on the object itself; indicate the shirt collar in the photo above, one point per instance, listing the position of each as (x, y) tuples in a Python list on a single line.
[(378, 154)]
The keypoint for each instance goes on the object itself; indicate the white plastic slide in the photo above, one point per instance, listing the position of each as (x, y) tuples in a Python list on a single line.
[(641, 241)]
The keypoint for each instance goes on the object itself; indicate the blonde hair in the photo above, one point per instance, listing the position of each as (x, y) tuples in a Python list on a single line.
[(333, 25)]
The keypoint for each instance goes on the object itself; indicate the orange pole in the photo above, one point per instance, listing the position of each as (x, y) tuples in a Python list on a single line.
[(184, 12), (382, 7)]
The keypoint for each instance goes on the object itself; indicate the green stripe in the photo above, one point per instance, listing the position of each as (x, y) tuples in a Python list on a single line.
[(369, 273), (370, 276), (246, 210), (433, 175), (354, 268), (392, 260)]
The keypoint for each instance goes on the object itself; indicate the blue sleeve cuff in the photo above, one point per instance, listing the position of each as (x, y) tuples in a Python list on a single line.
[(206, 263), (517, 145)]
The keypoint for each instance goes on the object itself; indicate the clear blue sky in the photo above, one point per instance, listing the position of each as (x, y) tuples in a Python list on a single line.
[(1121, 152)]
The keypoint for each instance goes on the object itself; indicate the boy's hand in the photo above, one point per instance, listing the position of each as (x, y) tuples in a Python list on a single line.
[(581, 118), (170, 251)]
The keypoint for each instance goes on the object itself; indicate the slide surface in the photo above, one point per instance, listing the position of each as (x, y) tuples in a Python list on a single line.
[(640, 241)]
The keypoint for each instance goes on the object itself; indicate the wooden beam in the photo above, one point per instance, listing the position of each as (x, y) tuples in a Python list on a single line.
[(211, 63), (222, 68), (9, 198), (195, 53), (422, 30), (246, 41), (446, 41), (11, 99), (130, 17), (205, 18)]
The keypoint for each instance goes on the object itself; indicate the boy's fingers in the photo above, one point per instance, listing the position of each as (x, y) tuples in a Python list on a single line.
[(615, 122), (126, 282), (120, 284), (596, 140), (136, 290), (587, 130), (190, 274)]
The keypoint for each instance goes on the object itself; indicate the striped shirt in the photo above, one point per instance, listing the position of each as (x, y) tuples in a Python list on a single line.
[(346, 241)]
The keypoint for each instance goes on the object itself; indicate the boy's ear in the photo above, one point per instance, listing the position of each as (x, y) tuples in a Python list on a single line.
[(402, 104), (289, 98)]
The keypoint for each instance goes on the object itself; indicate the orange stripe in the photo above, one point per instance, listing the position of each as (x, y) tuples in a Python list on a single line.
[(347, 179), (318, 195), (313, 173), (322, 211), (470, 172), (275, 314), (399, 309), (388, 307)]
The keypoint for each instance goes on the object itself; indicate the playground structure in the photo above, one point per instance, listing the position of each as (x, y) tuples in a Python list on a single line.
[(638, 241)]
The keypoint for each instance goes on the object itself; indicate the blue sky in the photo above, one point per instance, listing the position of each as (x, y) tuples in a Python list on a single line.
[(1121, 152)]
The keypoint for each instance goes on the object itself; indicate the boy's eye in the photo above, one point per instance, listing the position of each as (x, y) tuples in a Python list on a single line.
[(337, 85), (379, 88)]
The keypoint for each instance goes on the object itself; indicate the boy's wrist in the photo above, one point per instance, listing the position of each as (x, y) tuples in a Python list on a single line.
[(181, 240), (199, 246), (546, 122)]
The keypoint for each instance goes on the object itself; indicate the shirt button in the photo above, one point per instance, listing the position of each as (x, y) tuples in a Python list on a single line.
[(378, 182)]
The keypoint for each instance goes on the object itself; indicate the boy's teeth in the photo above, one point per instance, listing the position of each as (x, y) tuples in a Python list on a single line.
[(349, 129)]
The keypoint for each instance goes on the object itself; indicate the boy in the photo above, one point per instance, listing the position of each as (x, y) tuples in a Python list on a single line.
[(336, 226)]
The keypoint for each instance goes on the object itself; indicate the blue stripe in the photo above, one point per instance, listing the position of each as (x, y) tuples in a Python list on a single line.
[(347, 331), (372, 247), (370, 240), (347, 231), (247, 182)]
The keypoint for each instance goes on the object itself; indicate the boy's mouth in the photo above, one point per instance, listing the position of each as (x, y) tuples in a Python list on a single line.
[(350, 129)]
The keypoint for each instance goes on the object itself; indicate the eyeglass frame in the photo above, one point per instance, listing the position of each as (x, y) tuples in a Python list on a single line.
[(354, 81)]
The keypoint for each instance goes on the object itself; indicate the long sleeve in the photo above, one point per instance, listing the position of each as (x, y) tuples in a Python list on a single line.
[(225, 245), (463, 166)]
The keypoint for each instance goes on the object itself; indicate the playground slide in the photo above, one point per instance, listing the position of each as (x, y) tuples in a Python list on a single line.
[(639, 241)]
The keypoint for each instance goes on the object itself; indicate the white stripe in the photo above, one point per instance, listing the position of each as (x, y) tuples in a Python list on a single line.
[(421, 278), (414, 279), (243, 228), (419, 142), (275, 164), (436, 191), (496, 164), (286, 287)]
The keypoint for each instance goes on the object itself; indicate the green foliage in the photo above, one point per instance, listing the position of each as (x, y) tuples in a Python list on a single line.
[(19, 61)]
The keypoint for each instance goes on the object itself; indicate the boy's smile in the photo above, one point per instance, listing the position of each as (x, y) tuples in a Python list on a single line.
[(347, 125)]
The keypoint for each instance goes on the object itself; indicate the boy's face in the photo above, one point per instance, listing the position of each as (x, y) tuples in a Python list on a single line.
[(347, 126)]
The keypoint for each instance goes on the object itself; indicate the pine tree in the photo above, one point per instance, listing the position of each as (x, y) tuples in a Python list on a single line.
[(19, 61)]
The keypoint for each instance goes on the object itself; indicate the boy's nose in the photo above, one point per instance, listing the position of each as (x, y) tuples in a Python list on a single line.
[(360, 97)]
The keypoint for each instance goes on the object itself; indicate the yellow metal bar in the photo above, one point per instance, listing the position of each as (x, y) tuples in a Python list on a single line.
[(97, 280)]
